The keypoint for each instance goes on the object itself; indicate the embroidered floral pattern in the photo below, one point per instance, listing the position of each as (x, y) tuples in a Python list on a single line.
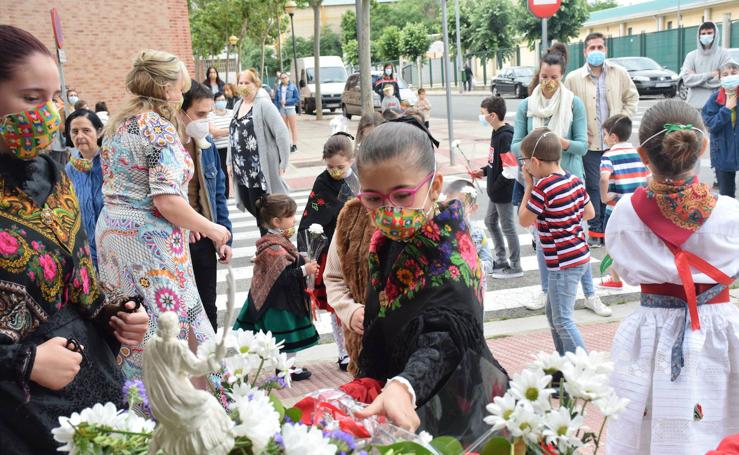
[(687, 203), (441, 251), (167, 300)]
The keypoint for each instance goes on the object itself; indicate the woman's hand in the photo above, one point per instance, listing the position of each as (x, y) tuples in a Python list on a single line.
[(130, 328), (356, 322), (730, 100), (195, 236), (395, 403), (311, 268), (565, 143), (224, 254), (55, 366), (218, 234)]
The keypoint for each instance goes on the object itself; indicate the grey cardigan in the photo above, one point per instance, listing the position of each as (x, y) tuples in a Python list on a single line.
[(273, 143)]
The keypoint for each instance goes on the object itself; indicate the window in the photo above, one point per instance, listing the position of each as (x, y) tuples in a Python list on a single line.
[(669, 25), (630, 31), (352, 82), (329, 74)]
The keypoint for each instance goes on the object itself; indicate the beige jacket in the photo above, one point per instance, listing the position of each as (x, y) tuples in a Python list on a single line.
[(621, 96)]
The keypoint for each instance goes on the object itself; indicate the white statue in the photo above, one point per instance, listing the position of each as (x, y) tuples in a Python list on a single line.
[(189, 421)]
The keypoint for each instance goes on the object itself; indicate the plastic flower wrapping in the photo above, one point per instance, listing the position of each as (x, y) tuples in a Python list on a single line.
[(537, 416), (322, 423)]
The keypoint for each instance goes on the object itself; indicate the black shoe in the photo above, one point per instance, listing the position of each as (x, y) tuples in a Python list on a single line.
[(293, 148), (499, 266), (595, 242), (301, 374), (343, 363)]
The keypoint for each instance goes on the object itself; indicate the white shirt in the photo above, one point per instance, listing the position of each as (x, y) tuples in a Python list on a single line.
[(221, 121), (640, 257)]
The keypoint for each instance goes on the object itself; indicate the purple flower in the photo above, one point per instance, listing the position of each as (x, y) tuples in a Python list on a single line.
[(134, 393), (343, 439), (278, 437)]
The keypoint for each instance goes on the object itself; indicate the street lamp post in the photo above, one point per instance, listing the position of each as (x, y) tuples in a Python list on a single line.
[(449, 115), (232, 40), (290, 8)]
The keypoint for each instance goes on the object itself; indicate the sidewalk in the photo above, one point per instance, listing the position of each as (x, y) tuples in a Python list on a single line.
[(307, 162)]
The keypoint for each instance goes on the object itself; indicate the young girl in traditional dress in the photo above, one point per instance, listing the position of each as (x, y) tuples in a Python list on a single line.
[(677, 357), (277, 300), (423, 311), (330, 192)]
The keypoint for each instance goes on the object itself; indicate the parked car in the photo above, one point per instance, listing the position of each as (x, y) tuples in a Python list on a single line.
[(513, 81), (682, 90), (351, 98), (333, 80), (649, 77)]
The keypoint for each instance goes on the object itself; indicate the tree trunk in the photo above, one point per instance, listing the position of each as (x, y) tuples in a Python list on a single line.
[(261, 59), (363, 39), (279, 43), (419, 68), (317, 58)]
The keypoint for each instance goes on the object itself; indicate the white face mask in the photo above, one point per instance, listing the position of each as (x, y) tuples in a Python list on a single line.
[(197, 129)]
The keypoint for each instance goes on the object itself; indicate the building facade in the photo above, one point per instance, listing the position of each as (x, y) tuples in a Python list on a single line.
[(102, 38)]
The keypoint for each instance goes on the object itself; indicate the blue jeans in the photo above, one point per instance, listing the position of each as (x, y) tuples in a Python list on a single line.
[(591, 162), (587, 278), (518, 191), (561, 305), (726, 183)]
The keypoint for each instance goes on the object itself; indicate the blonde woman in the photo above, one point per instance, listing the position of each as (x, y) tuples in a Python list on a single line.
[(142, 234), (259, 145)]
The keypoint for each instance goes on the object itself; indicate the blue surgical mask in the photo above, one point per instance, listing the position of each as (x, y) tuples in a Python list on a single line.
[(388, 71), (221, 105), (730, 82), (73, 100), (706, 39), (483, 120), (596, 58)]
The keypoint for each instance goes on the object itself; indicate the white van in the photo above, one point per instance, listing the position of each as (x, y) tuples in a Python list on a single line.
[(333, 79)]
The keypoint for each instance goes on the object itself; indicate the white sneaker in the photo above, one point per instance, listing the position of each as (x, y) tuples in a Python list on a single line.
[(594, 304), (538, 303)]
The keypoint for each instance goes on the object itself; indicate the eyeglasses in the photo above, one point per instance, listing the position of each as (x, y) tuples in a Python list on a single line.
[(402, 197)]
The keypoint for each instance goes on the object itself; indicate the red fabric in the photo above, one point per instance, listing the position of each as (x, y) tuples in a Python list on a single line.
[(721, 97), (313, 410), (319, 287), (729, 446), (678, 291), (364, 390), (672, 236)]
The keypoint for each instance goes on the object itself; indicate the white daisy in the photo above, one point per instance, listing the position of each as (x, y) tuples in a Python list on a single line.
[(500, 409), (531, 386), (596, 361), (585, 383), (611, 405), (257, 419), (561, 429), (549, 363), (301, 440), (525, 422)]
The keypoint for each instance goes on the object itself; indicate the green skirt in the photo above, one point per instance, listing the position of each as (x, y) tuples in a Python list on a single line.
[(298, 332)]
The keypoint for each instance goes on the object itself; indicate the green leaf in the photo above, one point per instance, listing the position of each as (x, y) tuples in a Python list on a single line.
[(605, 264), (294, 414), (447, 445), (496, 446), (277, 405), (403, 448)]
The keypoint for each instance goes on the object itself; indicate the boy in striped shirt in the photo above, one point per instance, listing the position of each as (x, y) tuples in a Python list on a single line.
[(621, 172), (557, 204)]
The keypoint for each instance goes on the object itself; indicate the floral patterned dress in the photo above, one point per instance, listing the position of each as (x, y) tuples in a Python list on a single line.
[(139, 251), (247, 169)]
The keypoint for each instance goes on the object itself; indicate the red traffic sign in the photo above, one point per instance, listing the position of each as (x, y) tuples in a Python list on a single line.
[(544, 9), (56, 23)]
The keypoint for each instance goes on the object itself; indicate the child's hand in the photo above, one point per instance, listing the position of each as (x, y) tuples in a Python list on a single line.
[(477, 174), (311, 268), (528, 178), (731, 100)]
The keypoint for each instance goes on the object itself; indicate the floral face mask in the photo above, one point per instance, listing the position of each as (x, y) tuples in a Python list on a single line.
[(29, 132)]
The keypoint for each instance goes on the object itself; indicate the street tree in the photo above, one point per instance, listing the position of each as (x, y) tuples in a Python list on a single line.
[(564, 25), (348, 27), (389, 43), (493, 31), (599, 5), (351, 52), (414, 43)]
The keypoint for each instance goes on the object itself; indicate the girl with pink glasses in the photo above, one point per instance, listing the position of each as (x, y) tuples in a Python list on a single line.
[(423, 315)]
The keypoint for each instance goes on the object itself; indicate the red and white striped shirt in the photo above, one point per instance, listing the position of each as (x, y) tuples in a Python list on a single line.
[(559, 202)]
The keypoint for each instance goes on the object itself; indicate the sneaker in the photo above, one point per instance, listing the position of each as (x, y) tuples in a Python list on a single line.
[(499, 266), (343, 363), (594, 304), (300, 374), (508, 272), (293, 148), (594, 242), (537, 304), (610, 283)]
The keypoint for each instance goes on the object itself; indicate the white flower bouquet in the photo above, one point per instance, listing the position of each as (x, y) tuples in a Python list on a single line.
[(540, 419), (261, 423)]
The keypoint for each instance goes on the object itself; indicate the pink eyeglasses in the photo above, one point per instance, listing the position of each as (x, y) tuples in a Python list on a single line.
[(402, 197)]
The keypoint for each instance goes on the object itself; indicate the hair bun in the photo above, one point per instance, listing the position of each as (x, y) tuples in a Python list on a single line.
[(558, 48), (682, 145)]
